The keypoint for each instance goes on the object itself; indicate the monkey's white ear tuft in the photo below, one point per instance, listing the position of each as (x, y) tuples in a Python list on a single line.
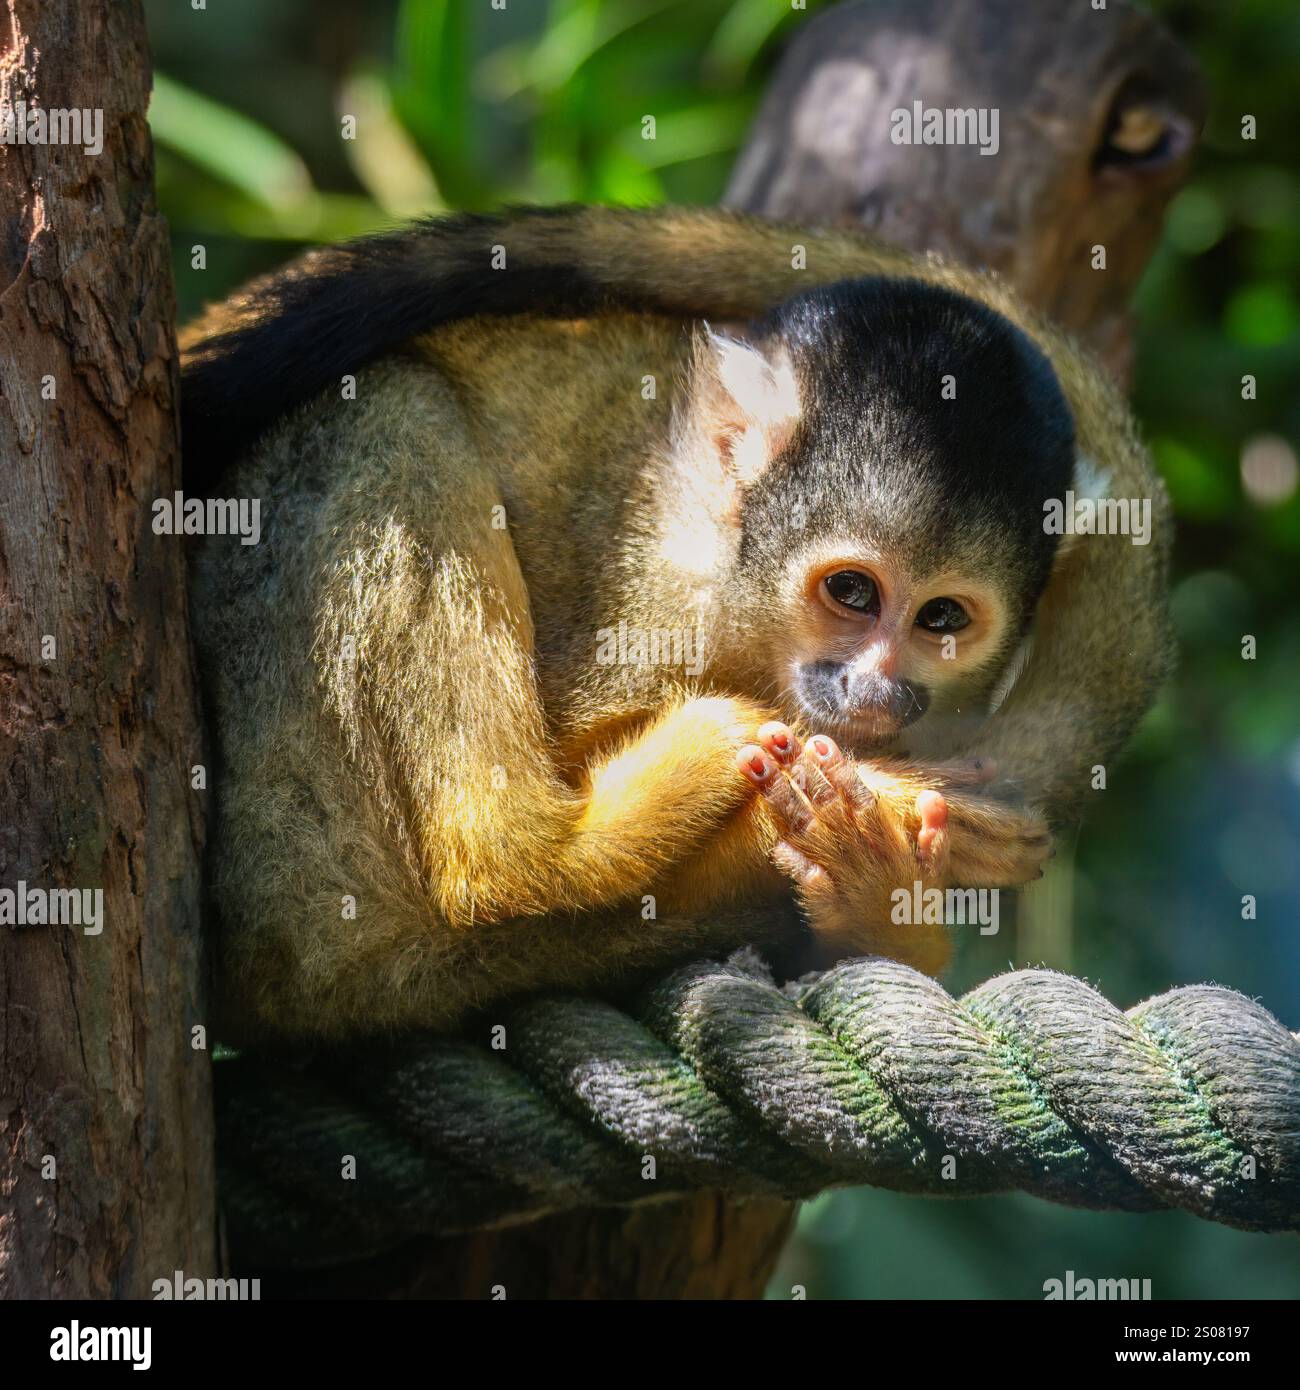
[(763, 389), (750, 400), (1090, 479), (1091, 482)]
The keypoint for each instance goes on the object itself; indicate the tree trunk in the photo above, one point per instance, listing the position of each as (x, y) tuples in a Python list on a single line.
[(106, 1179)]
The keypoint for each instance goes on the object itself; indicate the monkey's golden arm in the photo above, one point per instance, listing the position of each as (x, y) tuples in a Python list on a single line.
[(642, 809), (465, 760), (692, 810)]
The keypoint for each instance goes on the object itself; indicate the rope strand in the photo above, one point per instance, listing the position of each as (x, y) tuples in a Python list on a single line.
[(868, 1073)]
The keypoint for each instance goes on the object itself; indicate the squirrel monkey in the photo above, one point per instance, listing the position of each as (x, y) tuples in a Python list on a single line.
[(582, 628)]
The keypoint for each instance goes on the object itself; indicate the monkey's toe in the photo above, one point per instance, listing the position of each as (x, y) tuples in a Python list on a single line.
[(807, 873), (789, 807)]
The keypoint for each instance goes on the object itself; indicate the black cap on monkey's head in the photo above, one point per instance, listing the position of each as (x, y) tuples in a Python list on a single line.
[(927, 424)]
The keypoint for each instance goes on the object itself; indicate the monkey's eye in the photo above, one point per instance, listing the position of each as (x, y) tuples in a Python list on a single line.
[(853, 589), (943, 615)]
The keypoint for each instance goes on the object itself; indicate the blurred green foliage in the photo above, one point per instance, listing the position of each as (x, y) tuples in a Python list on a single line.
[(460, 105)]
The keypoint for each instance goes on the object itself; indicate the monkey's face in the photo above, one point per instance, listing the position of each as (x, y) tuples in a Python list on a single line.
[(892, 447), (881, 652)]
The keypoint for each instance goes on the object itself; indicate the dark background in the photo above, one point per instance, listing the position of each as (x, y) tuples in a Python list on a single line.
[(460, 105)]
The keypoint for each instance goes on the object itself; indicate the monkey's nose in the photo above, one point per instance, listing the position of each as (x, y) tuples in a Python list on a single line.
[(898, 702)]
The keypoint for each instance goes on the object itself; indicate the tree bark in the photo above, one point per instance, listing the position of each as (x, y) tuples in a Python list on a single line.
[(106, 1178)]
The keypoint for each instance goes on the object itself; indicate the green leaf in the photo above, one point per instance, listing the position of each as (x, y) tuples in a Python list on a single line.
[(231, 147), (744, 30), (690, 133), (430, 93)]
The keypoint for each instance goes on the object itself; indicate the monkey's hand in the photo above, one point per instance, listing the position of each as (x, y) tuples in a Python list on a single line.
[(860, 841)]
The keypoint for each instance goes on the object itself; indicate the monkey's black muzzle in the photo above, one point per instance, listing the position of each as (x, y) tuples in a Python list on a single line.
[(845, 695)]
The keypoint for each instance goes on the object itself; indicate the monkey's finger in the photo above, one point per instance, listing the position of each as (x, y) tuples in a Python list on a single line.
[(990, 872), (809, 778), (841, 772), (825, 750), (1022, 847), (806, 873), (986, 817), (781, 742), (993, 862), (755, 764), (788, 804), (995, 865)]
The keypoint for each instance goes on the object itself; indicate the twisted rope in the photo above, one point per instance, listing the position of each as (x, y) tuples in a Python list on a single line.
[(869, 1073)]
